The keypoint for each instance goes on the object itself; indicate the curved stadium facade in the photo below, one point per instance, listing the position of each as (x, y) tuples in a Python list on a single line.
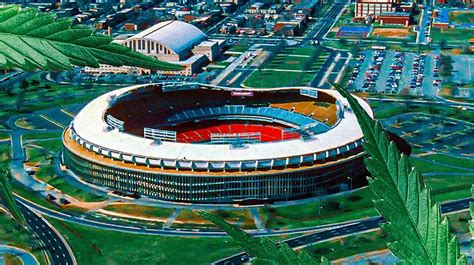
[(199, 144)]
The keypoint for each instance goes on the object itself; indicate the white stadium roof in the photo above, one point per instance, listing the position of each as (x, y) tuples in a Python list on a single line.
[(89, 124), (176, 35)]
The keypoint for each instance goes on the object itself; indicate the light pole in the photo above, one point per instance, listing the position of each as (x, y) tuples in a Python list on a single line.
[(350, 179)]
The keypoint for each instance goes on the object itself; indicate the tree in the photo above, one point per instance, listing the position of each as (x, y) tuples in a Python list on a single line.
[(6, 194), (443, 44), (261, 249), (30, 40), (413, 220), (446, 65)]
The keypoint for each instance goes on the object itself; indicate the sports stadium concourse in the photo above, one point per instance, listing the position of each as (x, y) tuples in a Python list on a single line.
[(199, 144)]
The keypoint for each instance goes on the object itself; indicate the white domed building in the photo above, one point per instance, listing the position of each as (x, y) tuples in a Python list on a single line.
[(169, 41)]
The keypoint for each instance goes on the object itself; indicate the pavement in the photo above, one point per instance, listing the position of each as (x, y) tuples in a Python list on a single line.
[(463, 68), (427, 89), (55, 245), (425, 18), (367, 225), (26, 257)]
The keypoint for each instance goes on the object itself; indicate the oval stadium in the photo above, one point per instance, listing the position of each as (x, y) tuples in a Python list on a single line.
[(192, 143)]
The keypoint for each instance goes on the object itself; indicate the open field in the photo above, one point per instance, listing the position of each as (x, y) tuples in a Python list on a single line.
[(452, 36), (108, 248), (41, 95), (140, 210), (292, 66), (397, 33), (462, 162), (41, 136), (190, 219), (461, 17), (238, 48), (395, 109)]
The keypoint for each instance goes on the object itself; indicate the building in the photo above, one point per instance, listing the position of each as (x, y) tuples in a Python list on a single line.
[(364, 8), (292, 27), (211, 49), (192, 143), (397, 18), (170, 41)]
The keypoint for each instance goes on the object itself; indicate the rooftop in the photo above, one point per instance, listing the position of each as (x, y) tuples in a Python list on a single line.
[(176, 35)]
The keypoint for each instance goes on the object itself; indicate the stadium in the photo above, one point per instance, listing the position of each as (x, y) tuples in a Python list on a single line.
[(192, 143)]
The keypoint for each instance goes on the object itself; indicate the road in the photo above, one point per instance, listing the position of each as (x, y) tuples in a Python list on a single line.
[(319, 29), (26, 257), (140, 229), (56, 247), (58, 250), (359, 227), (425, 18)]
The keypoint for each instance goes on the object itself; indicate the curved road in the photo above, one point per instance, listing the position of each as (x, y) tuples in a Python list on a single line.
[(60, 253), (362, 226), (26, 257), (139, 229)]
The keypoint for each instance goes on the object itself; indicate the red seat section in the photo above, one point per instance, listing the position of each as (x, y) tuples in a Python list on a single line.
[(201, 132)]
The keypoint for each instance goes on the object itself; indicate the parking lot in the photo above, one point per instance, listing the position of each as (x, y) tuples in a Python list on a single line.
[(393, 72), (433, 133)]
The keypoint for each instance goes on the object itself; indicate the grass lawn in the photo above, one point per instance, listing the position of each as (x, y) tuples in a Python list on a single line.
[(44, 95), (96, 246), (14, 235), (4, 136), (33, 196), (190, 219), (285, 62), (292, 59), (452, 36), (46, 135), (140, 210), (461, 17), (238, 48), (448, 112), (265, 79), (299, 51), (46, 174), (11, 260), (335, 209), (375, 240), (426, 166), (461, 162)]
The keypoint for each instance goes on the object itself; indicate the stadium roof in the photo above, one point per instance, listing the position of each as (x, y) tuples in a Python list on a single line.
[(89, 124), (176, 35)]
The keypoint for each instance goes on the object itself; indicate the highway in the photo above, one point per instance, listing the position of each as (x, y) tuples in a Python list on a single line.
[(57, 249), (359, 227), (140, 229)]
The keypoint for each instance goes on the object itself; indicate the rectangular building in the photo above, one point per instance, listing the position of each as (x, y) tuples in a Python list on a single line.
[(364, 8)]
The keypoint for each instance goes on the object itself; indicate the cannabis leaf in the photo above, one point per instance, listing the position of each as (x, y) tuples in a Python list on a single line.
[(6, 194), (471, 222), (414, 221), (262, 249), (30, 40)]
